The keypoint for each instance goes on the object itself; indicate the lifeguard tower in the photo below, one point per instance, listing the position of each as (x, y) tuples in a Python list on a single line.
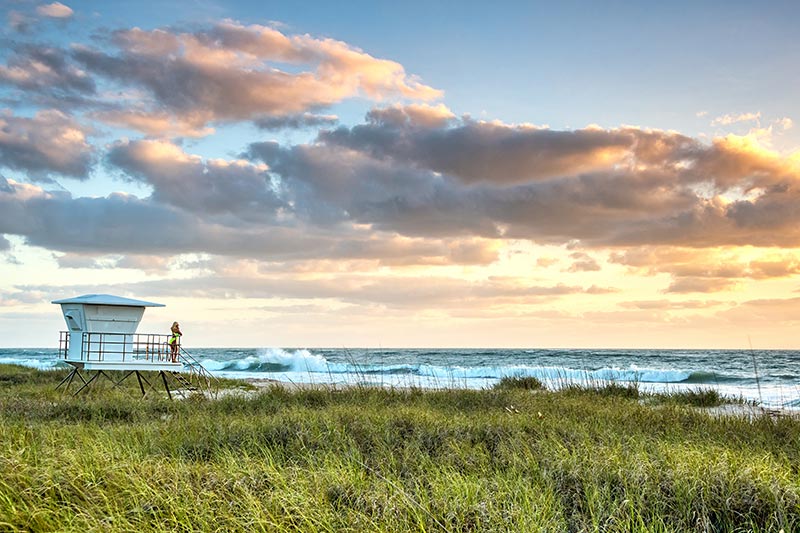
[(101, 337)]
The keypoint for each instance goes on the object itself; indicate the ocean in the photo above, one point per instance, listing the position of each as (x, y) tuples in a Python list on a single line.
[(771, 377)]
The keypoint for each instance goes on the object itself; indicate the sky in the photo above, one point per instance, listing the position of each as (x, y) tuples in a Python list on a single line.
[(416, 174)]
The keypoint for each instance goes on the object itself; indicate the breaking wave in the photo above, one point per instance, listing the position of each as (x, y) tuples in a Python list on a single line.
[(39, 364), (276, 360)]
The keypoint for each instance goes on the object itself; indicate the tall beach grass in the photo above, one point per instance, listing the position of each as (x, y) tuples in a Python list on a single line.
[(514, 458)]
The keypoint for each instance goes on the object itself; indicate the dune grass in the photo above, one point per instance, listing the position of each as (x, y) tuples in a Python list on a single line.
[(371, 459)]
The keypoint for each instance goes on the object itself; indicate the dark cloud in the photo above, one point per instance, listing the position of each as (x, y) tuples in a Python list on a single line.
[(116, 223), (626, 206), (412, 115), (72, 260), (207, 187), (47, 70), (426, 174), (5, 244), (49, 143), (20, 22), (124, 224), (328, 185), (485, 151), (301, 121)]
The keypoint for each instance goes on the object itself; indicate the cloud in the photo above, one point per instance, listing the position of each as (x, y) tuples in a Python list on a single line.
[(583, 262), (707, 270), (119, 222), (46, 69), (126, 225), (147, 263), (707, 263), (671, 304), (15, 298), (19, 22), (765, 312), (25, 22), (395, 292), (232, 72), (775, 268), (55, 10), (545, 262), (726, 120), (481, 151), (416, 115), (206, 187), (594, 289), (329, 185), (152, 123), (49, 143), (618, 187), (411, 170), (301, 121), (73, 260)]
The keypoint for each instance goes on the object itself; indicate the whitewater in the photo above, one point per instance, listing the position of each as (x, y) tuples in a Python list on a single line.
[(768, 377)]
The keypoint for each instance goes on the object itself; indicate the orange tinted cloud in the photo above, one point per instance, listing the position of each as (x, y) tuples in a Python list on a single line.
[(703, 270), (232, 72), (765, 312), (726, 120), (671, 304)]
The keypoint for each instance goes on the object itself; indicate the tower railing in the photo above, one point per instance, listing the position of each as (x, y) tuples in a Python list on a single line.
[(119, 347), (196, 370), (63, 344)]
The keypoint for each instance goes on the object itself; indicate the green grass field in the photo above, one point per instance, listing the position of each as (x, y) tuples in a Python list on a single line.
[(514, 458)]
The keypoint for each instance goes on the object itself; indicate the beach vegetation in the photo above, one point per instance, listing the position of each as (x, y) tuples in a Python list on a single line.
[(520, 382), (698, 397), (382, 459)]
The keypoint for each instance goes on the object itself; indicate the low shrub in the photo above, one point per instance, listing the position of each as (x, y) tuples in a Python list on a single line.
[(520, 382)]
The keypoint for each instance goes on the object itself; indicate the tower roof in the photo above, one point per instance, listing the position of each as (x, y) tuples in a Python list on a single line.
[(106, 299)]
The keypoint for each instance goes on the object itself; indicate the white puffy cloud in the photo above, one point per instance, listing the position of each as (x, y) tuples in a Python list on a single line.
[(56, 10)]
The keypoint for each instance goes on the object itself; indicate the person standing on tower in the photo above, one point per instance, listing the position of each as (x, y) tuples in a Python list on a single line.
[(175, 341)]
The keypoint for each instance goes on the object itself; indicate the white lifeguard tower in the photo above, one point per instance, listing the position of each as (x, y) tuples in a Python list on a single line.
[(102, 337)]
